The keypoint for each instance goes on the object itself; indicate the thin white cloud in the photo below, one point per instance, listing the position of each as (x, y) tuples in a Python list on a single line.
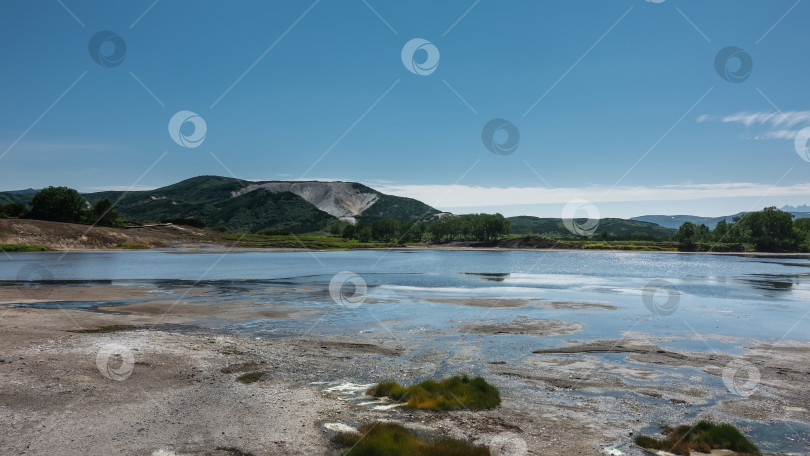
[(440, 196), (777, 134), (775, 125)]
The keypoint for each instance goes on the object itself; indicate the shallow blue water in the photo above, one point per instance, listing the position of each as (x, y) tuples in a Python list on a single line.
[(722, 295)]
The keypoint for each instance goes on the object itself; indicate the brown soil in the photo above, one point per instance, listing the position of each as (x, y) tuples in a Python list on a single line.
[(68, 236)]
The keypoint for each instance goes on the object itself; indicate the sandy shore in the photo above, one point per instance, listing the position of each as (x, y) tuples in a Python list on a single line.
[(181, 394), (164, 386)]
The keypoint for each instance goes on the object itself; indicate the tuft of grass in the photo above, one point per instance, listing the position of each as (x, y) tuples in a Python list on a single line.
[(24, 248), (704, 437), (452, 394), (389, 439), (250, 377), (131, 246), (104, 329)]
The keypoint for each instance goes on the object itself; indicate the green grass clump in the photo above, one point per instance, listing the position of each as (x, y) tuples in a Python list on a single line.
[(388, 439), (250, 377), (452, 394), (704, 437), (131, 246), (24, 248)]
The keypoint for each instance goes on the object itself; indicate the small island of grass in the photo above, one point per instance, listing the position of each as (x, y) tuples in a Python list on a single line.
[(394, 440), (452, 394), (704, 437), (250, 377)]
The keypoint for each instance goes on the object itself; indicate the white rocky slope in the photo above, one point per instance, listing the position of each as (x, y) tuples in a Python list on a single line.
[(339, 199)]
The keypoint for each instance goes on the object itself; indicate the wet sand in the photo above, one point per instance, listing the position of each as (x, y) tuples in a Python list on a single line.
[(494, 303), (524, 326)]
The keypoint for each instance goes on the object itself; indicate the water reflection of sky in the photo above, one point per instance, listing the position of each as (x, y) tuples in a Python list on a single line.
[(725, 295)]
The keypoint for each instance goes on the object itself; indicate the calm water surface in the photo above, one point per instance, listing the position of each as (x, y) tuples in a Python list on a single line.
[(761, 298)]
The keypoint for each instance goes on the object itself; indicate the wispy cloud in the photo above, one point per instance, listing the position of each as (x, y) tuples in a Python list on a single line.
[(474, 196), (773, 125)]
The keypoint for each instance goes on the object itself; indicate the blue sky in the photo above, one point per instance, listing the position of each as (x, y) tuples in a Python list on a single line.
[(616, 102)]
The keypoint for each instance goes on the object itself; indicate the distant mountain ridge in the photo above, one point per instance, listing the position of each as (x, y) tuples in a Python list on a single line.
[(675, 221), (27, 191)]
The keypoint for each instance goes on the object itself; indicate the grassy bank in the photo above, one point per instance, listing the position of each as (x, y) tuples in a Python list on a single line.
[(131, 246), (452, 394), (24, 248), (394, 440), (303, 241)]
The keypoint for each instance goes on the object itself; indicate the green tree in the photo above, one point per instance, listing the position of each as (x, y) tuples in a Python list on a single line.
[(334, 227), (59, 204), (770, 229), (417, 232), (384, 230), (349, 232), (686, 234), (12, 210), (721, 232), (102, 213), (703, 233), (363, 233)]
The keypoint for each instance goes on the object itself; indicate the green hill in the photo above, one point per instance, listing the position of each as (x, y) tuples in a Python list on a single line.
[(554, 227), (256, 207), (404, 208)]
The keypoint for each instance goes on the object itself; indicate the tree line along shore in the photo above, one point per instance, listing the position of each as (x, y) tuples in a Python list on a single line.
[(768, 230)]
